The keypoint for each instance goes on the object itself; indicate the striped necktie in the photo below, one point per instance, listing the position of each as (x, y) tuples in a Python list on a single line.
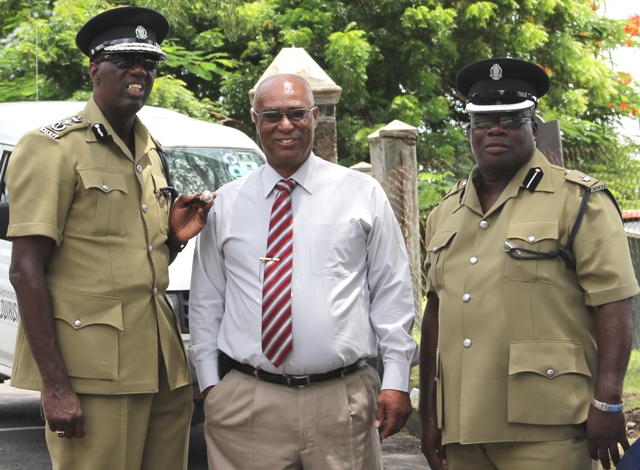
[(277, 331)]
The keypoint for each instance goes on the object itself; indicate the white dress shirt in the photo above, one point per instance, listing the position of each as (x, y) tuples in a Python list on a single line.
[(351, 286)]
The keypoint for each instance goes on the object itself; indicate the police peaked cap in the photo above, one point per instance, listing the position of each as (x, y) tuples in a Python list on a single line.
[(502, 85), (125, 30)]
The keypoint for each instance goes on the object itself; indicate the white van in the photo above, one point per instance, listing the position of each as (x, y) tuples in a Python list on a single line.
[(201, 155)]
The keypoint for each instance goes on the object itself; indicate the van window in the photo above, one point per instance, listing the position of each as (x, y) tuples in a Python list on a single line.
[(196, 169)]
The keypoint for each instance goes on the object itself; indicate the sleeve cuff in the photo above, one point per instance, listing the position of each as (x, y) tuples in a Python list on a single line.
[(396, 376)]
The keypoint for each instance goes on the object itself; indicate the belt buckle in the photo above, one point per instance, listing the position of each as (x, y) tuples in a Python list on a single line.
[(298, 377)]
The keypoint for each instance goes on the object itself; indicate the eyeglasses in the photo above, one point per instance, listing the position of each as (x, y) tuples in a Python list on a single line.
[(293, 115), (127, 61), (508, 122)]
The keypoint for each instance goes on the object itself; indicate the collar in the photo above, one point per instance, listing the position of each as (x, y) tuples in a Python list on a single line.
[(538, 160), (143, 141), (305, 176)]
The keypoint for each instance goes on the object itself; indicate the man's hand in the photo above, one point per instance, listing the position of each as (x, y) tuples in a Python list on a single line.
[(394, 408), (431, 445), (604, 432), (63, 412), (187, 218)]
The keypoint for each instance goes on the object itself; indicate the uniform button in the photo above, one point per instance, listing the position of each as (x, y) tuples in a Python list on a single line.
[(77, 323), (150, 248), (105, 187), (155, 291), (144, 208), (484, 224), (531, 239), (466, 297), (435, 249), (551, 373), (139, 168), (466, 343), (473, 260)]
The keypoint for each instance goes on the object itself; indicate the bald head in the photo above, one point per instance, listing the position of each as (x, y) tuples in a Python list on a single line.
[(289, 79)]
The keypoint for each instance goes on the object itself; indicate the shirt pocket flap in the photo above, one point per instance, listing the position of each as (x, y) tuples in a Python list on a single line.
[(159, 181), (548, 359), (439, 241), (533, 231), (82, 310), (105, 181)]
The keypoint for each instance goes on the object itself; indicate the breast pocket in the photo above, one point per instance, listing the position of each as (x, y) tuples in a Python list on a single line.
[(536, 235), (101, 203), (547, 383), (436, 255), (336, 249)]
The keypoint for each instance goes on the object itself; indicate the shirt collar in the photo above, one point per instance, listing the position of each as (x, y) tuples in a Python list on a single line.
[(538, 160), (305, 176)]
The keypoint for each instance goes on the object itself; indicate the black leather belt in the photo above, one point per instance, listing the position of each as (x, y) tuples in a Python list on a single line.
[(297, 380)]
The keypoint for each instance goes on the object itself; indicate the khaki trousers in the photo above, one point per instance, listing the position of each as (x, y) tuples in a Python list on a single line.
[(254, 425), (148, 431), (569, 454)]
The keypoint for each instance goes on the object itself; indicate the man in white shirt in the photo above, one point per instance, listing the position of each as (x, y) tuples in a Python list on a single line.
[(303, 397)]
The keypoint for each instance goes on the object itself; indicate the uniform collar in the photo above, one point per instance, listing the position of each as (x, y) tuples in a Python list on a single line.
[(305, 176), (538, 160), (141, 134)]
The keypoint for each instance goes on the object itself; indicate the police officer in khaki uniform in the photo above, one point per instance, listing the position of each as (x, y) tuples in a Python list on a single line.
[(94, 227), (527, 330)]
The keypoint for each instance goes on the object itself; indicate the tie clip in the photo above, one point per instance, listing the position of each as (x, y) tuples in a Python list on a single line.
[(264, 260)]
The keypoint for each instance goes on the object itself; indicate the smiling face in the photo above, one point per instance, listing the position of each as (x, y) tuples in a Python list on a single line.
[(287, 144), (501, 151), (120, 92)]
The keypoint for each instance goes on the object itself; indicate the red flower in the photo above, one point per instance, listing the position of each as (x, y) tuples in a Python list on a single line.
[(547, 69), (634, 111), (624, 106)]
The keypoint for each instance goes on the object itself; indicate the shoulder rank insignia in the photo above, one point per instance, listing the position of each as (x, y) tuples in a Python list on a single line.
[(60, 128), (580, 178), (49, 132), (598, 187), (534, 176)]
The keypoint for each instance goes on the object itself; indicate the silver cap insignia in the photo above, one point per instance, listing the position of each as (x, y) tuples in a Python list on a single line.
[(496, 72), (141, 33)]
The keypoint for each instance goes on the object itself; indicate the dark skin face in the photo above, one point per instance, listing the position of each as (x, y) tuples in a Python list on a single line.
[(286, 144), (499, 151), (121, 93)]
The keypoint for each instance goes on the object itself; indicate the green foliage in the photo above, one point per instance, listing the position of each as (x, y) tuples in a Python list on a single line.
[(393, 59)]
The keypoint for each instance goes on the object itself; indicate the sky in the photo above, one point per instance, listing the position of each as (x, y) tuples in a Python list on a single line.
[(626, 59)]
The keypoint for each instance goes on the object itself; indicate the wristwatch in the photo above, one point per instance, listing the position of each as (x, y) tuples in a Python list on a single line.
[(607, 407)]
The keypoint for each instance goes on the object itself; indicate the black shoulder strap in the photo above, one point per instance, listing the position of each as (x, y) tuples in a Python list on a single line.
[(170, 188)]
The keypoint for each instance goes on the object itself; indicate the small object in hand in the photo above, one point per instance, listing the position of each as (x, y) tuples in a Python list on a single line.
[(206, 197), (61, 433)]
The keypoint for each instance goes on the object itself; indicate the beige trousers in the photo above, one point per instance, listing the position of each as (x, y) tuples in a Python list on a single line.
[(254, 425), (569, 454), (147, 431)]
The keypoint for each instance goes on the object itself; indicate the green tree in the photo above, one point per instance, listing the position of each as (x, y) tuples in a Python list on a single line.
[(394, 59)]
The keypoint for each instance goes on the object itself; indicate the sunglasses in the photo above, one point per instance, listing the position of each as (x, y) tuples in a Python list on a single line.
[(293, 115), (508, 122), (128, 61)]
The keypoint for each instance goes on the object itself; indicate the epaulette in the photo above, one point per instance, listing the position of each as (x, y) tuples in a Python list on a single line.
[(584, 180), (158, 144), (61, 128)]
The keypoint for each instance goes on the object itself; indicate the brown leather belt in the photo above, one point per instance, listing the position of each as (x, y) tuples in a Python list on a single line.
[(297, 380)]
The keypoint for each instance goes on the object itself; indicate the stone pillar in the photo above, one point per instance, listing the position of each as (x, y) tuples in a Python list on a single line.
[(325, 93), (394, 164)]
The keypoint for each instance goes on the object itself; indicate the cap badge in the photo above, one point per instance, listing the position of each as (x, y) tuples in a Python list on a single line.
[(585, 178), (496, 72), (141, 33)]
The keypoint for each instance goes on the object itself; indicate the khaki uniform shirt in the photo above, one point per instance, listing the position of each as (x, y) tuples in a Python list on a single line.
[(516, 349), (109, 271)]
